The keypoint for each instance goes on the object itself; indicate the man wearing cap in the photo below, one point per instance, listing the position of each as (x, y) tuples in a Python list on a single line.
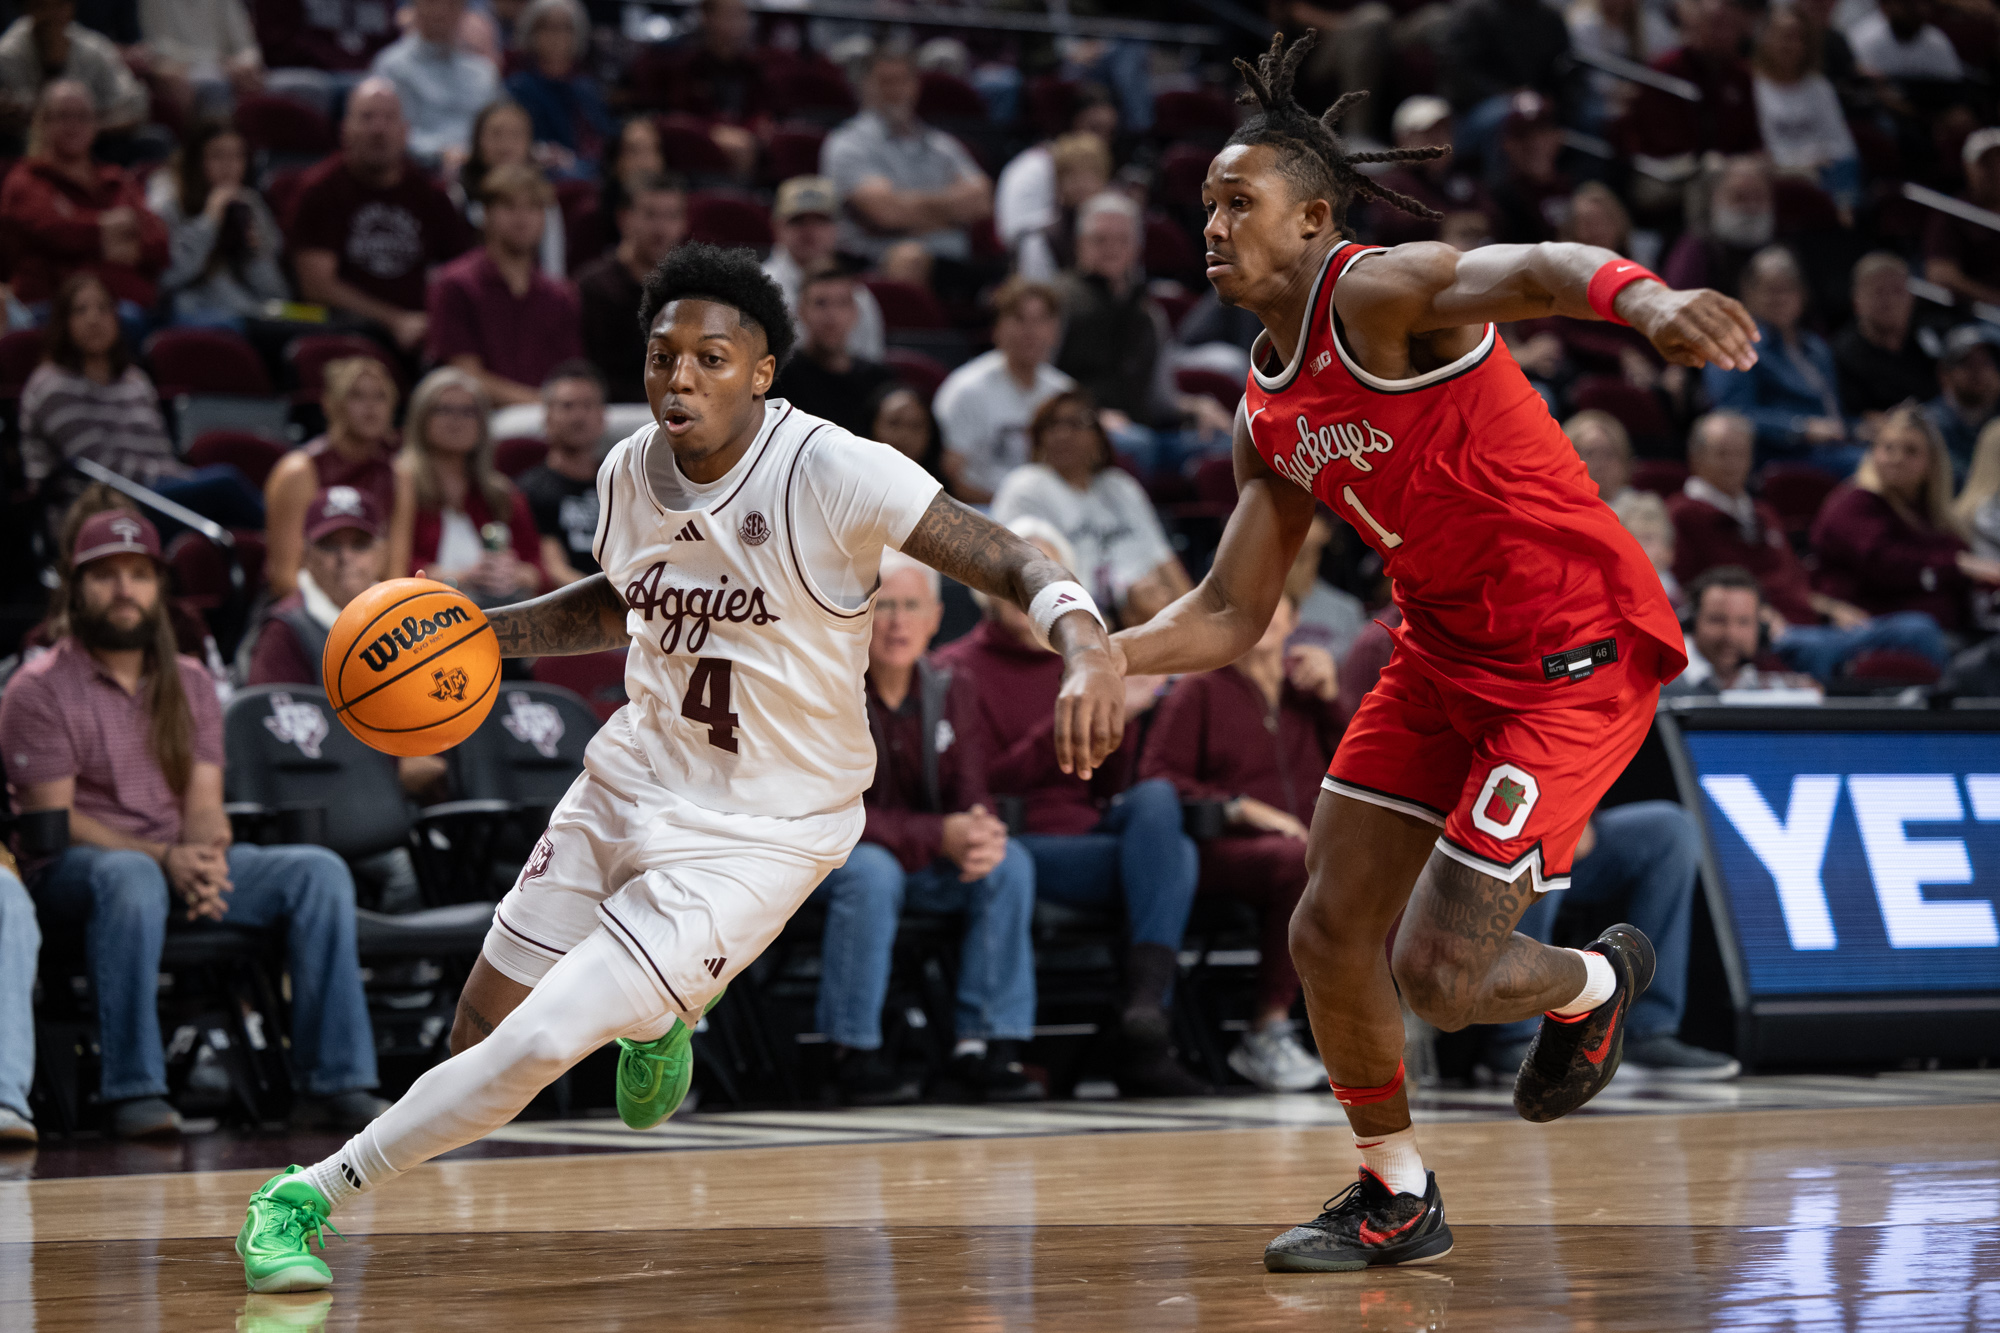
[(344, 556), (807, 235), (115, 727), (1969, 375), (652, 219), (1965, 256)]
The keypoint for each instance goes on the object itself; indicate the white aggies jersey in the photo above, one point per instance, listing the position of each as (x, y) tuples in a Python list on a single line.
[(746, 663)]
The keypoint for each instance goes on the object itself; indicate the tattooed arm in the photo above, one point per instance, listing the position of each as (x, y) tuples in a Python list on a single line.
[(587, 616), (968, 546)]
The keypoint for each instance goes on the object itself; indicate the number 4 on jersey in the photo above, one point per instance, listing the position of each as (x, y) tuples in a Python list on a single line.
[(707, 702)]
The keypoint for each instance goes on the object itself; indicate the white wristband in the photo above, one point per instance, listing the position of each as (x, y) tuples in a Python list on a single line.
[(1058, 600)]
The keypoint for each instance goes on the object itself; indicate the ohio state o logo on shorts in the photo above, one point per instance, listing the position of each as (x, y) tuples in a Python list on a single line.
[(1505, 801)]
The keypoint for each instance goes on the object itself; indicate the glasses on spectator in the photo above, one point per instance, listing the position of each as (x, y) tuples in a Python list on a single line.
[(455, 410), (902, 606)]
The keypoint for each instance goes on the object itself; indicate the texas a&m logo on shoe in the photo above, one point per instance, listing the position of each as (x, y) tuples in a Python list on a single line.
[(1506, 799)]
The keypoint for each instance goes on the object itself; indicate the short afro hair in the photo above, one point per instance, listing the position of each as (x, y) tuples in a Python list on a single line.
[(731, 277)]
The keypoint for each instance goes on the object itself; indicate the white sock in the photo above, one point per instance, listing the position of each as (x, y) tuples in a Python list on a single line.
[(1598, 983), (595, 993), (1395, 1159), (972, 1046)]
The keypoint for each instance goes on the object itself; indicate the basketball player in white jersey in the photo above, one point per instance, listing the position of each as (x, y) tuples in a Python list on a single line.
[(740, 540)]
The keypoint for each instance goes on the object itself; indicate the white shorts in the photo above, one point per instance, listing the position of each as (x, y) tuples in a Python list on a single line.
[(694, 894)]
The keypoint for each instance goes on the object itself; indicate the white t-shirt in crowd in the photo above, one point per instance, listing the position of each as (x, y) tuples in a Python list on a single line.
[(1928, 55), (1111, 526), (867, 340), (1803, 125), (983, 415)]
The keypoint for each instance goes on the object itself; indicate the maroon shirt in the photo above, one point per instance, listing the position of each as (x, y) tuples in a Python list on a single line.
[(63, 716), (1012, 723), (521, 338), (900, 813), (374, 478), (1215, 739), (278, 658), (1705, 538), (1366, 657), (1874, 557), (428, 531), (50, 223), (385, 237)]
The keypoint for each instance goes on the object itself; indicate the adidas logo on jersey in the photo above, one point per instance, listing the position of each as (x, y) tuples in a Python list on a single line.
[(714, 966), (690, 533), (1335, 440)]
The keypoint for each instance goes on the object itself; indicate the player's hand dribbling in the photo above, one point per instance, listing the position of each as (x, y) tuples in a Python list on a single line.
[(1691, 328), (1090, 706)]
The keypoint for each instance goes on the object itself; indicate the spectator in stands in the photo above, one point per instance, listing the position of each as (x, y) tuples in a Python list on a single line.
[(1114, 335), (807, 233), (1978, 505), (931, 842), (86, 400), (562, 488), (368, 221), (1792, 394), (1963, 255), (1740, 219), (503, 137), (1798, 113), (202, 53), (1719, 524), (68, 213), (1035, 202), (1531, 197), (1255, 737), (223, 243), (899, 418), (1896, 41), (823, 377), (1491, 50), (1072, 483), (1644, 515), (343, 557), (1879, 359), (1449, 185), (456, 518), (635, 155), (1605, 447), (898, 179), (569, 114), (1330, 618), (493, 313), (1969, 391), (1663, 127), (1888, 540), (1626, 29), (652, 219), (117, 728), (20, 949), (441, 84), (984, 406), (358, 395), (1725, 637), (46, 46), (715, 71), (315, 49), (1100, 843)]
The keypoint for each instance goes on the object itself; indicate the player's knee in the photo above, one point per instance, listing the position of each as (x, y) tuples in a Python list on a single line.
[(1436, 979)]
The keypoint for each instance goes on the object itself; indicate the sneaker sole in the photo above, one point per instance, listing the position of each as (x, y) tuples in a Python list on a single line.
[(1427, 1253), (296, 1277)]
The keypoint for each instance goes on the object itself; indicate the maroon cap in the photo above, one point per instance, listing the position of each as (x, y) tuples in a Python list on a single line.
[(114, 532), (339, 507)]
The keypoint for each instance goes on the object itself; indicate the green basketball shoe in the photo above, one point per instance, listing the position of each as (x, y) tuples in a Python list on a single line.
[(283, 1213), (653, 1076)]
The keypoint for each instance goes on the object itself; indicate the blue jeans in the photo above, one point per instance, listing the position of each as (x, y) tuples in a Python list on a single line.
[(1137, 855), (996, 972), (20, 945), (123, 903), (1821, 650), (218, 493), (1646, 857)]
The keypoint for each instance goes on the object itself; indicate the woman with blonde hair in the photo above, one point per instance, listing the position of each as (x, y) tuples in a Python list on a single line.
[(359, 396), (1888, 540), (455, 517), (1978, 505)]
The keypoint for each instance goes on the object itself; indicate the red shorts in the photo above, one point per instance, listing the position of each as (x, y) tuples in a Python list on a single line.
[(1511, 788)]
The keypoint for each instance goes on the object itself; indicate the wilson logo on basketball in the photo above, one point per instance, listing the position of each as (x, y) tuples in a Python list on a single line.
[(449, 684), (693, 609), (403, 638), (1335, 440), (754, 530)]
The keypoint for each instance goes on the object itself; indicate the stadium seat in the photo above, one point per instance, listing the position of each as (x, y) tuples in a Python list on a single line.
[(915, 369), (529, 748), (192, 361), (1201, 115), (946, 97), (1803, 207), (272, 124), (793, 151), (20, 353), (1224, 389), (1215, 483), (1182, 170), (1638, 410), (1051, 102), (517, 453), (817, 91), (1893, 667), (1169, 252), (1661, 476), (252, 455), (906, 306), (1796, 492), (597, 678), (687, 148), (1175, 305), (310, 355), (728, 219)]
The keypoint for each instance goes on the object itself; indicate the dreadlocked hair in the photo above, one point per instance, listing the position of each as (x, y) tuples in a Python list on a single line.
[(1310, 154)]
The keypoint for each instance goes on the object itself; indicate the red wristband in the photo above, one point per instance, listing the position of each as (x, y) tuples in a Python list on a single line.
[(1611, 279)]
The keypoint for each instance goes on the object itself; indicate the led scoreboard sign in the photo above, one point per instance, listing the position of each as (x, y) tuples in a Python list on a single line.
[(1853, 875)]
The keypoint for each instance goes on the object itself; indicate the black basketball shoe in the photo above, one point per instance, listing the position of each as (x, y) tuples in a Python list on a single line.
[(1366, 1225), (1571, 1062)]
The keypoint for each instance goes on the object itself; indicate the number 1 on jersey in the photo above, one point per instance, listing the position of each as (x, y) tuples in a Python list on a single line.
[(707, 702), (1389, 539)]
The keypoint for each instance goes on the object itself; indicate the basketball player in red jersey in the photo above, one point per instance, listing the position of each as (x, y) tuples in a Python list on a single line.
[(1535, 633)]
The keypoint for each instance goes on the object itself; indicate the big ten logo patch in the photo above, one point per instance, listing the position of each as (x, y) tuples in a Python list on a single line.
[(1505, 801), (532, 722), (449, 683), (297, 723), (414, 630)]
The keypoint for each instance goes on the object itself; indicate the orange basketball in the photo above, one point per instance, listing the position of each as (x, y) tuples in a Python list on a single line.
[(411, 666)]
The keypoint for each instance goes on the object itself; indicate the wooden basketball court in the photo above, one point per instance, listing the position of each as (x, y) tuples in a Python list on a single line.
[(1836, 1204)]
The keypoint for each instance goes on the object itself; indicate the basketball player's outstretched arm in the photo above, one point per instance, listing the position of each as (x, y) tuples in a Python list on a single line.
[(972, 548), (587, 616)]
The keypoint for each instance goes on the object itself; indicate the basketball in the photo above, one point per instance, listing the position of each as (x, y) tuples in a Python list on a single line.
[(411, 666)]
